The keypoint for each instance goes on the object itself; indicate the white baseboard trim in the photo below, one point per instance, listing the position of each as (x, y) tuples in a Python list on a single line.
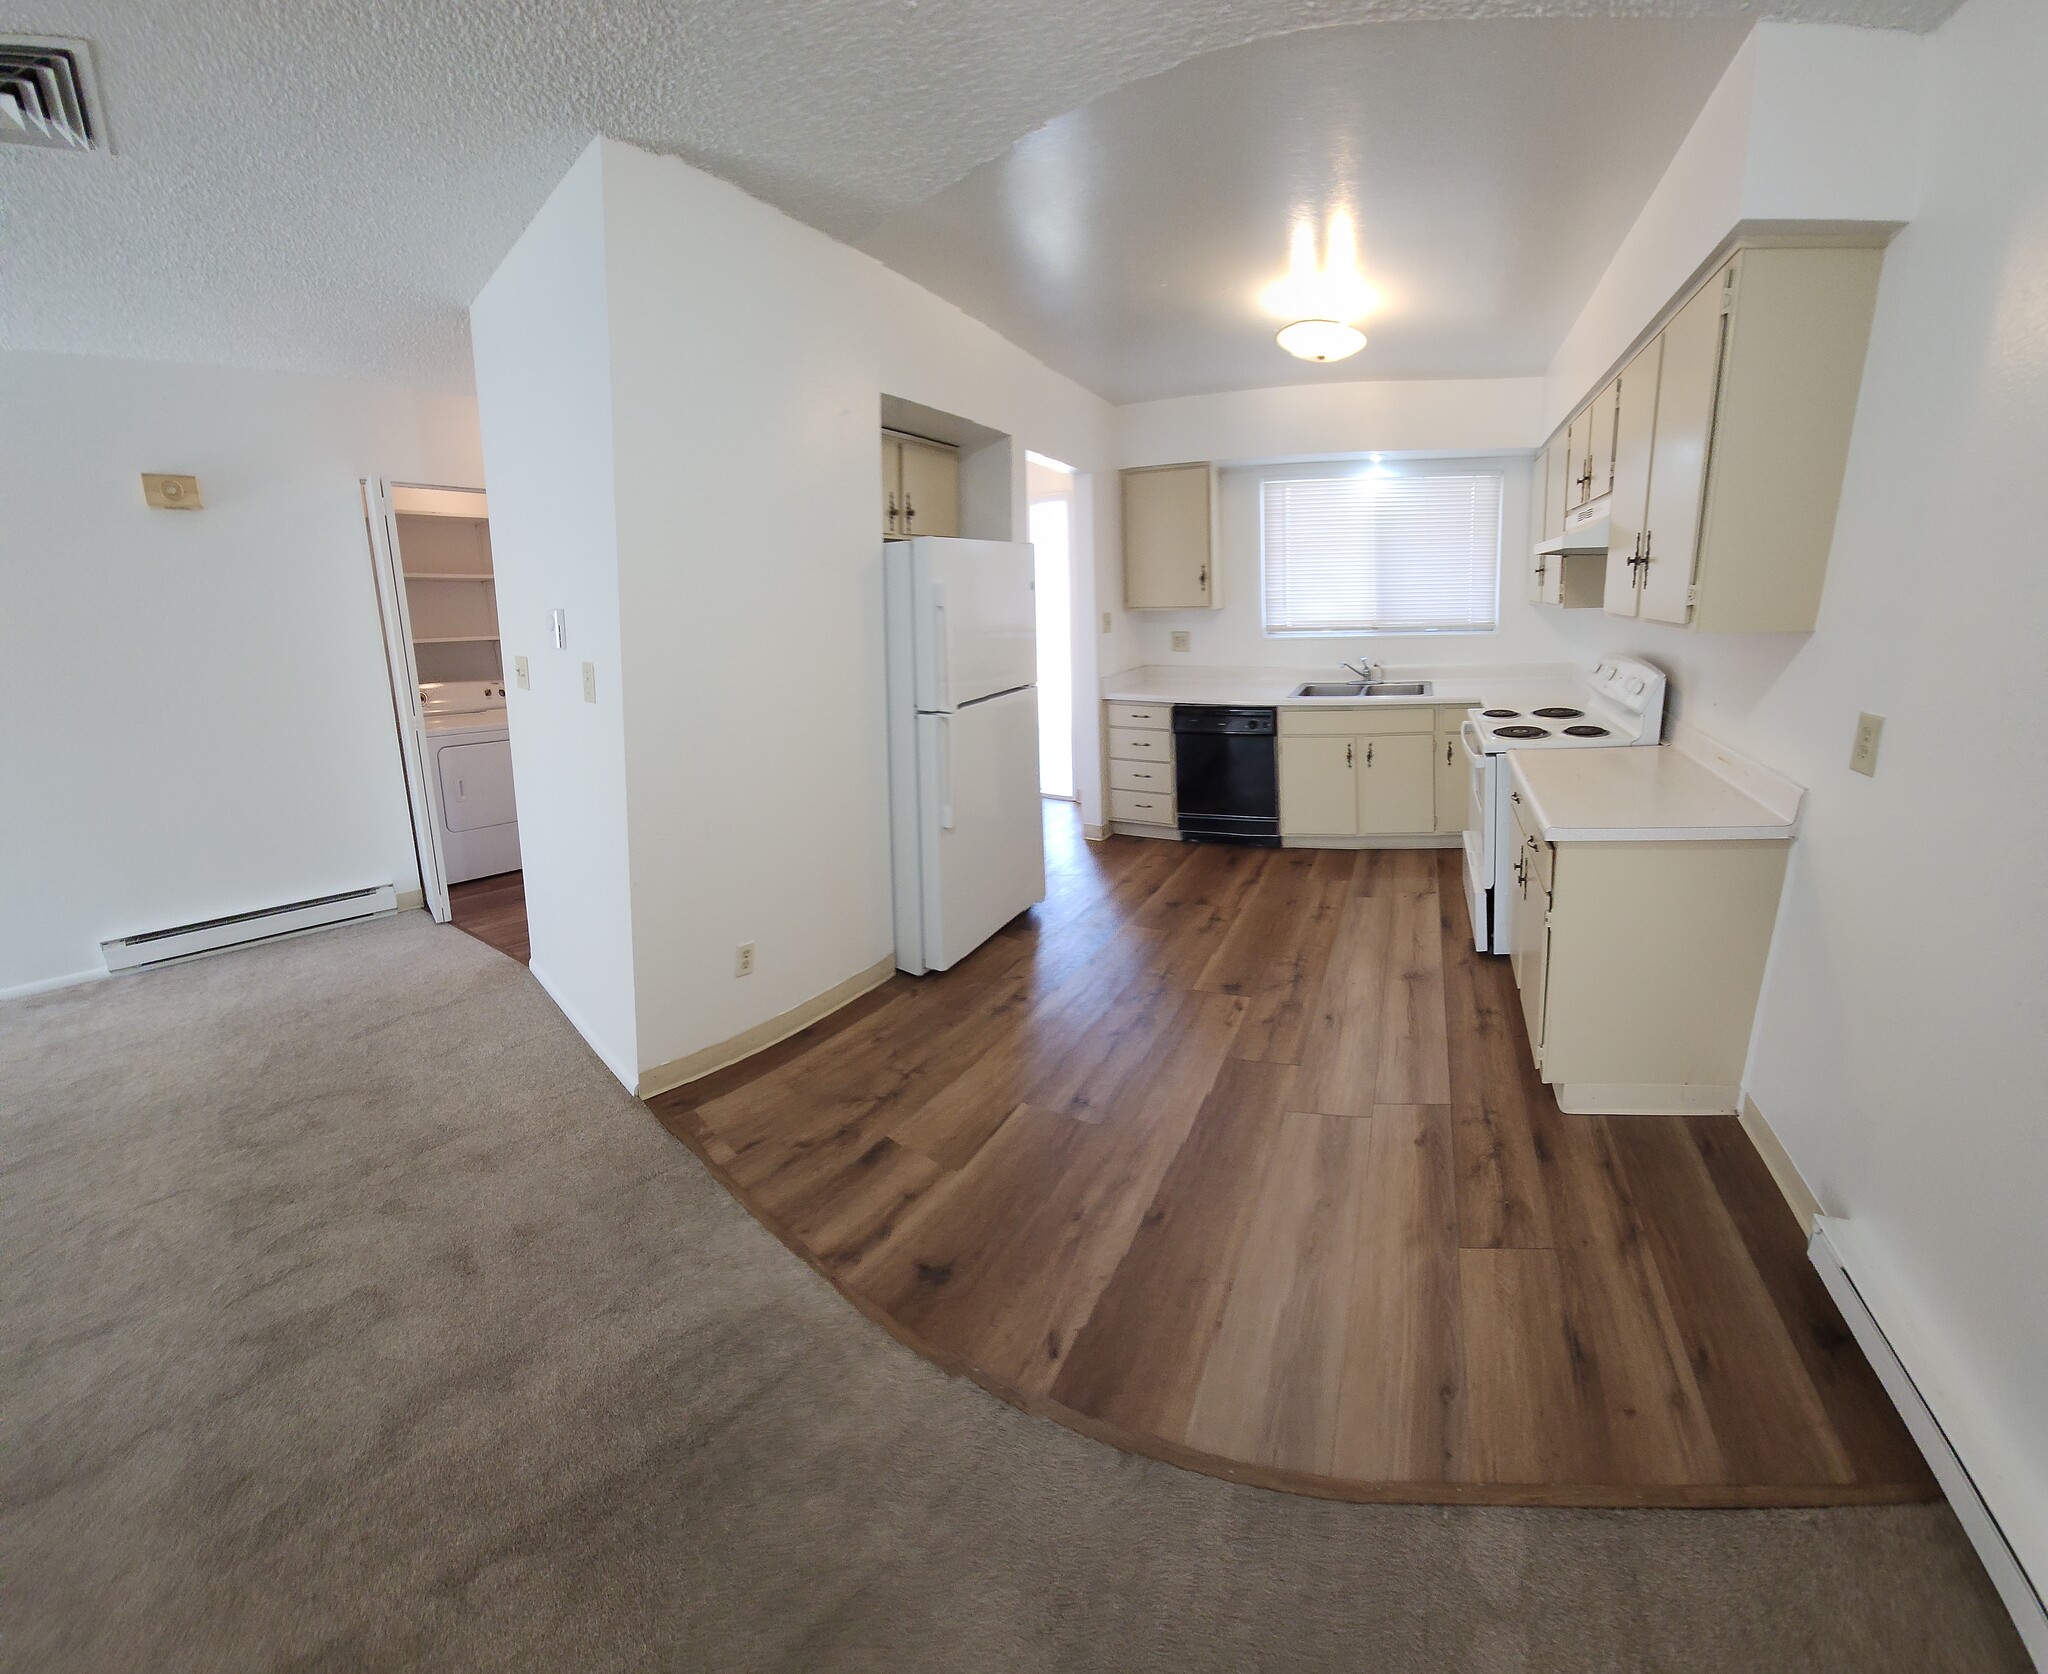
[(45, 985), (409, 899), (1624, 1098), (1094, 833), (1885, 1342), (611, 1061), (662, 1078), (1799, 1197)]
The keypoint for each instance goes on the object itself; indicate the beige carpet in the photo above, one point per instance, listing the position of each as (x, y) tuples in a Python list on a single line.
[(356, 1319)]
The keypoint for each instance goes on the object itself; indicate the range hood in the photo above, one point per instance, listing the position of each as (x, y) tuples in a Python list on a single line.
[(1585, 529)]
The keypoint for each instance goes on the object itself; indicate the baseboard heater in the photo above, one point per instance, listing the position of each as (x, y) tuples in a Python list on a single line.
[(181, 941), (2008, 1574)]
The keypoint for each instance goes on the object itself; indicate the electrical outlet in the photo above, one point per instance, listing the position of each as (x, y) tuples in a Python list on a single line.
[(522, 673), (743, 960), (1108, 626), (590, 682), (1182, 640), (1863, 754)]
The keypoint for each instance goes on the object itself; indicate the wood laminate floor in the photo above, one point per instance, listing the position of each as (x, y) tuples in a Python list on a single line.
[(494, 911), (1236, 1157)]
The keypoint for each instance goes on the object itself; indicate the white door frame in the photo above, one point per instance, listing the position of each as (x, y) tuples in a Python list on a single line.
[(422, 788)]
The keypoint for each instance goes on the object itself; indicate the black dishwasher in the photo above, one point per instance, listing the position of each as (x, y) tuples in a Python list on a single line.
[(1226, 783)]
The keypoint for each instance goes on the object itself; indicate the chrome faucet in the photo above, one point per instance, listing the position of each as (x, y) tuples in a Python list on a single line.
[(1371, 673)]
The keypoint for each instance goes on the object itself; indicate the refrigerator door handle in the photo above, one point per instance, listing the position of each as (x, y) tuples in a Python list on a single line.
[(945, 772), (942, 649)]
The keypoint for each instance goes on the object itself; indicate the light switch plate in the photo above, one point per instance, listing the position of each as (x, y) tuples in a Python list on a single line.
[(1863, 754), (522, 673), (1182, 640), (590, 682), (1108, 626), (558, 629), (171, 493)]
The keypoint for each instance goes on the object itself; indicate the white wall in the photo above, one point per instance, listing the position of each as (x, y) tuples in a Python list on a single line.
[(746, 356), (1898, 1050), (1808, 123), (195, 718), (541, 338), (1449, 419), (1894, 1050), (1306, 421), (1234, 636)]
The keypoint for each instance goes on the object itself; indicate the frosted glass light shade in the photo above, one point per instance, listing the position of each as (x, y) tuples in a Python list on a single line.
[(1321, 339)]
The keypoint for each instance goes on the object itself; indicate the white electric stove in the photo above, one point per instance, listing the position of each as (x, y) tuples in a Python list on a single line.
[(1619, 701)]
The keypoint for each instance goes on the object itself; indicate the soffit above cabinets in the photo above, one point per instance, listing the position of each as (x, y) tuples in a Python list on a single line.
[(288, 189)]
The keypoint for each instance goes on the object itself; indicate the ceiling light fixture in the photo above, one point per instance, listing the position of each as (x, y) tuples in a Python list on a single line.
[(1321, 340), (1321, 299)]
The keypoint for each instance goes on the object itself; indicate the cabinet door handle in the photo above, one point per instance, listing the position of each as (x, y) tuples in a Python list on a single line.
[(1368, 755), (1348, 748), (1202, 578), (1448, 748), (893, 512), (909, 512)]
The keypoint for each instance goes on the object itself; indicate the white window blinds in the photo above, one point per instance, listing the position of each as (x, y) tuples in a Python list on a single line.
[(1381, 553)]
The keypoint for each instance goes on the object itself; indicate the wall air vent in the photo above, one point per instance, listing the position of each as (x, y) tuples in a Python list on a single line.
[(47, 96)]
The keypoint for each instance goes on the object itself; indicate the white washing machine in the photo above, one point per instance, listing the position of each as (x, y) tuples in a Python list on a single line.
[(469, 756)]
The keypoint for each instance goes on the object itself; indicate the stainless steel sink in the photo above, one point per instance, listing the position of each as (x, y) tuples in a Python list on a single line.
[(1361, 688)]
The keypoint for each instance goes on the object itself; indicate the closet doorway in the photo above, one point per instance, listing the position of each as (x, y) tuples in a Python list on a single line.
[(430, 550)]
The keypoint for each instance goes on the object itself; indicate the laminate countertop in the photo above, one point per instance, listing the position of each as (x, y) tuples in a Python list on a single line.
[(1689, 791), (1519, 687)]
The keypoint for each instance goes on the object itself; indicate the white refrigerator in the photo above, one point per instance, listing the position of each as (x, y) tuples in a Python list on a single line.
[(966, 839)]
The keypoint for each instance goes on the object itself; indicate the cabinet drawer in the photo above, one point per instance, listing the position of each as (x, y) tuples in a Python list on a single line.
[(1141, 807), (1133, 744), (1325, 723), (1151, 717), (1152, 778)]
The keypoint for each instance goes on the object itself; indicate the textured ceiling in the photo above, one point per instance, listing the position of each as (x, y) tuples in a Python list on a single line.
[(324, 184)]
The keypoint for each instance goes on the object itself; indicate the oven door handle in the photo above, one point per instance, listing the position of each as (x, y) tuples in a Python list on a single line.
[(1468, 739)]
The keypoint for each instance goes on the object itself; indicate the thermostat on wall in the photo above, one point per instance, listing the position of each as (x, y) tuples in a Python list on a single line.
[(172, 493)]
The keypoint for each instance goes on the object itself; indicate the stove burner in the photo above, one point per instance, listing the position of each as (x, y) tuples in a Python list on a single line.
[(1521, 732), (1559, 714), (1500, 714), (1586, 732)]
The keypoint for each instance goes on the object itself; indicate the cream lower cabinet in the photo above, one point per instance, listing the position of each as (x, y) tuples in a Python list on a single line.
[(1357, 773), (1639, 966), (1448, 766), (1140, 757)]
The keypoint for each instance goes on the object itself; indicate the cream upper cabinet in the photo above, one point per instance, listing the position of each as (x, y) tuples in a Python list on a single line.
[(1578, 467), (1600, 424), (1396, 779), (920, 487), (1556, 485), (1632, 445), (1318, 786), (1757, 381), (1169, 538)]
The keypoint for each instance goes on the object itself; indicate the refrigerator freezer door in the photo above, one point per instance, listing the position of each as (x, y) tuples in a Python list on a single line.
[(980, 830), (975, 620)]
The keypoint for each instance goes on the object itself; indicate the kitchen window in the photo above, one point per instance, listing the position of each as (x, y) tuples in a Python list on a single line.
[(1381, 552)]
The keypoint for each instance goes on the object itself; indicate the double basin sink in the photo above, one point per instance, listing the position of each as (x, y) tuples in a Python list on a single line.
[(1363, 689)]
